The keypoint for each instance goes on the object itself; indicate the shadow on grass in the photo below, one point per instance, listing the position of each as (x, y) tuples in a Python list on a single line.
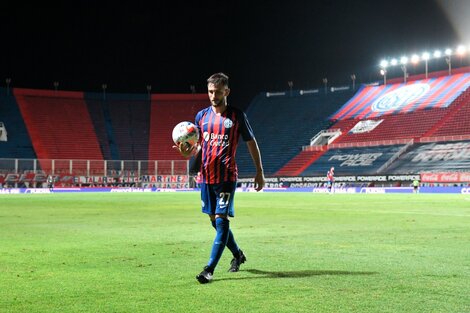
[(294, 274)]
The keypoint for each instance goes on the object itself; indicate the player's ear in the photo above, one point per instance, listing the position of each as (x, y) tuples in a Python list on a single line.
[(227, 92)]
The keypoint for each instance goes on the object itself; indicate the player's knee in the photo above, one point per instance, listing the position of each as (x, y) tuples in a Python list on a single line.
[(222, 216)]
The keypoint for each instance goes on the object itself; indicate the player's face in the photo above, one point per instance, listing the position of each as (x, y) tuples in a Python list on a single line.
[(217, 94)]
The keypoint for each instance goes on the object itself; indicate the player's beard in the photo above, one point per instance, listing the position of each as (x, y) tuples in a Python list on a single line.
[(218, 102)]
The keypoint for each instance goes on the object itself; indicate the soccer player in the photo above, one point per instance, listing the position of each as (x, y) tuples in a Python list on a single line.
[(50, 183), (330, 177), (221, 126), (416, 186)]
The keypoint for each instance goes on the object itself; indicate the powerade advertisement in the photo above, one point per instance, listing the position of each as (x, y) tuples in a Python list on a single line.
[(350, 190)]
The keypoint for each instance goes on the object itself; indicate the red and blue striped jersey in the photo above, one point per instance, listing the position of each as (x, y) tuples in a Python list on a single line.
[(330, 176), (219, 140)]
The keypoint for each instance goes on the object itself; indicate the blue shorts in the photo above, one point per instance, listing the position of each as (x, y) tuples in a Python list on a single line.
[(218, 198)]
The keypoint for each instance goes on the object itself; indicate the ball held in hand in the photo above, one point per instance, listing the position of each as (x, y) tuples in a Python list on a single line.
[(185, 134)]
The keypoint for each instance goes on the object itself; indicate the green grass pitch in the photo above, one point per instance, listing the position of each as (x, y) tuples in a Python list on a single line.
[(140, 252)]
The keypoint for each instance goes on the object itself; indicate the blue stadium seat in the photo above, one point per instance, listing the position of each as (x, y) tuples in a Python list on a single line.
[(284, 123), (434, 157)]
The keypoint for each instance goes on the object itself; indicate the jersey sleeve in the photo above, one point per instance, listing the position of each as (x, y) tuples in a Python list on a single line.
[(245, 128), (197, 120)]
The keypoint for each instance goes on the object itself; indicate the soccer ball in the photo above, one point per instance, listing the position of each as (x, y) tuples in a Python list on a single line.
[(185, 133)]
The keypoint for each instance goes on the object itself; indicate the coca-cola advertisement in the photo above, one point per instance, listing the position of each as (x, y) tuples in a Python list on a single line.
[(445, 177)]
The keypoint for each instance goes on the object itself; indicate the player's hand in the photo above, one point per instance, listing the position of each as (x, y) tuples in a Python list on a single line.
[(259, 181), (185, 149)]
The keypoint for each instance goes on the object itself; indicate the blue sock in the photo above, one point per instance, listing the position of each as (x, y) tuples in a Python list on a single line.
[(220, 241), (231, 243)]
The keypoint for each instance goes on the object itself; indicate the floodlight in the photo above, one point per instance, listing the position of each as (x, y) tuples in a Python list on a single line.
[(437, 54), (461, 50), (414, 58), (394, 62), (404, 60), (383, 63), (448, 51), (425, 56)]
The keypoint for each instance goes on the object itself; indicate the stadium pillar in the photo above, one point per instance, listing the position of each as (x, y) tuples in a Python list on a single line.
[(405, 74), (104, 86), (149, 89), (8, 82), (290, 83), (325, 82), (449, 63), (383, 72)]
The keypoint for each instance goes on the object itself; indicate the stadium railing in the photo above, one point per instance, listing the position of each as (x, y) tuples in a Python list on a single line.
[(96, 168)]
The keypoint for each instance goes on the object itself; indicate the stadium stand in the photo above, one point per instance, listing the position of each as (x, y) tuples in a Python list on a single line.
[(397, 114), (58, 124), (405, 111), (379, 129), (434, 157), (375, 101), (19, 143), (131, 127), (456, 122), (352, 161), (397, 126), (167, 110), (284, 123), (99, 115), (299, 163), (122, 124)]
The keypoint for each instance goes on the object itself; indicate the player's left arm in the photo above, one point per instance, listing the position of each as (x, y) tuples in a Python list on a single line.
[(256, 156), (195, 162)]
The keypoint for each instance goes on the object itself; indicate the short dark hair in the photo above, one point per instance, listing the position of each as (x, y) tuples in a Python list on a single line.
[(218, 79)]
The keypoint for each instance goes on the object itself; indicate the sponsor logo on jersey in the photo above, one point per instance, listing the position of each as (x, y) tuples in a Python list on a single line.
[(216, 140)]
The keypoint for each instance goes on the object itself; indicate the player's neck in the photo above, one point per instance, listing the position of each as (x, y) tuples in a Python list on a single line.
[(220, 109)]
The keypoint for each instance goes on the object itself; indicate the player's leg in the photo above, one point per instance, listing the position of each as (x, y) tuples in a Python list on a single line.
[(208, 201), (217, 202), (231, 243), (238, 255), (223, 209)]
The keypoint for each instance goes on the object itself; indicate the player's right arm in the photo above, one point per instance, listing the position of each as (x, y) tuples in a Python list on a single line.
[(187, 150)]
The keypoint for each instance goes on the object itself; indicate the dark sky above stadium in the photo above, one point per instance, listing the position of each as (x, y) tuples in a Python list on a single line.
[(171, 45)]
